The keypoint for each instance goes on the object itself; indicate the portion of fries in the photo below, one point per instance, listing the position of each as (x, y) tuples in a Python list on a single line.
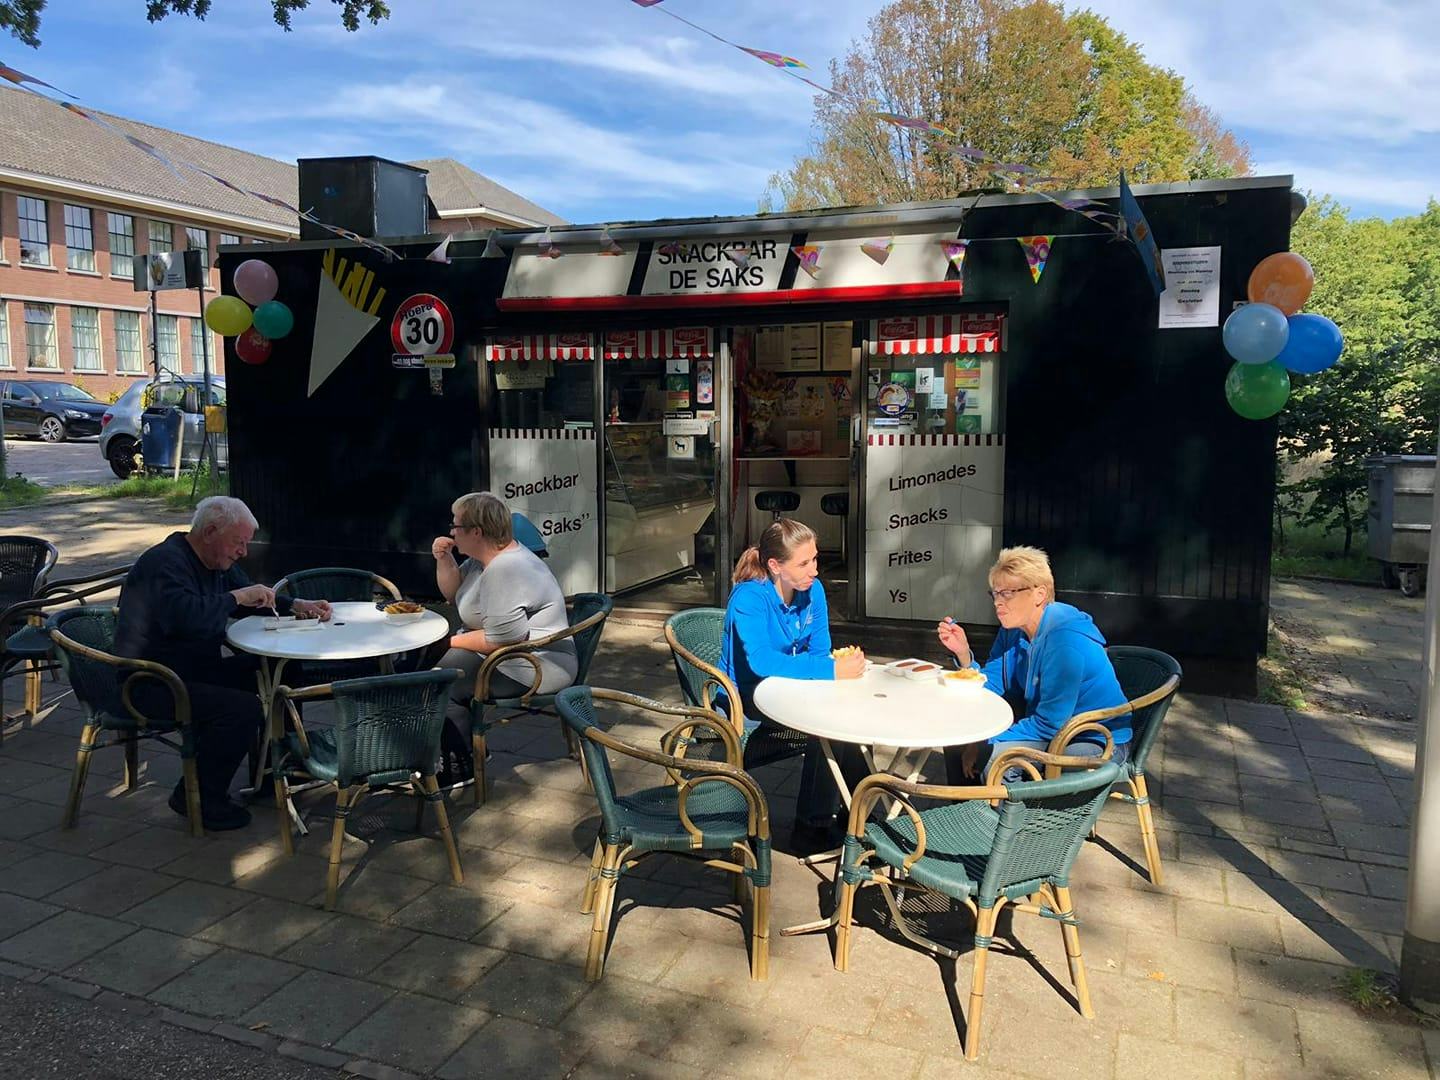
[(403, 607)]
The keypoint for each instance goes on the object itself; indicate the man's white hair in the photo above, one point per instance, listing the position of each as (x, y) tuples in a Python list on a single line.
[(222, 512)]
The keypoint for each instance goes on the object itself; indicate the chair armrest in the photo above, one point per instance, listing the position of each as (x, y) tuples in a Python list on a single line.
[(520, 650), (707, 718), (700, 771), (139, 669), (66, 584), (1024, 757), (878, 785), (52, 596)]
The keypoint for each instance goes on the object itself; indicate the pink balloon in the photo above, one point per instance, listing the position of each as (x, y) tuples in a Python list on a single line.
[(255, 282)]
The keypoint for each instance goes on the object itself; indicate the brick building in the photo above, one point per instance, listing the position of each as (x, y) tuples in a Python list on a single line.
[(78, 204)]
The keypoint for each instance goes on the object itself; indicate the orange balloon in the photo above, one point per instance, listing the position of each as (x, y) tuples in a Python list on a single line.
[(1284, 280)]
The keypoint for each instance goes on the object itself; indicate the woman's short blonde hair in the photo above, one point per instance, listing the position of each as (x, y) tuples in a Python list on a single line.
[(1028, 566), (484, 511)]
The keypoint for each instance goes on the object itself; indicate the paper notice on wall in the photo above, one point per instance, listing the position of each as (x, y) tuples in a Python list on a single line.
[(924, 380), (1192, 287)]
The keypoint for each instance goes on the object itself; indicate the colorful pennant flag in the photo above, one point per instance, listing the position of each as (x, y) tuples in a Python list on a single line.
[(19, 78), (647, 3), (740, 256), (1037, 253), (548, 250), (1138, 230), (955, 252), (441, 254), (879, 250), (147, 148), (774, 59), (608, 244), (670, 250), (809, 256), (493, 250)]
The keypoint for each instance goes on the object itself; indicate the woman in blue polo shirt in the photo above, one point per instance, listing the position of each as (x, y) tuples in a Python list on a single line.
[(777, 623)]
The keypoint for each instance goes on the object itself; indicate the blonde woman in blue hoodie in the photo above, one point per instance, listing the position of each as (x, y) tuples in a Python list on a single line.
[(778, 623), (1048, 661)]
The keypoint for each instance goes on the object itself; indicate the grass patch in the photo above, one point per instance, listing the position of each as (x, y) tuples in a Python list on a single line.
[(1310, 551), (1277, 676), (18, 491), (1366, 989), (175, 493)]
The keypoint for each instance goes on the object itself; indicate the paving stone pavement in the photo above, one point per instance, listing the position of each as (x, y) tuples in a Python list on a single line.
[(1284, 834)]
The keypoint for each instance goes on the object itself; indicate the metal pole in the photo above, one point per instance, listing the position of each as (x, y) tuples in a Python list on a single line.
[(1420, 951), (154, 336)]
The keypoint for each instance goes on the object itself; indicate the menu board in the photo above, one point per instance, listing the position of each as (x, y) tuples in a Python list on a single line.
[(836, 345), (803, 347), (771, 352)]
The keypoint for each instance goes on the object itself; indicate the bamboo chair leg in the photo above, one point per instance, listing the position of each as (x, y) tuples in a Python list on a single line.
[(192, 797), (587, 898), (482, 790), (417, 788), (77, 778), (600, 924), (442, 817), (132, 764), (343, 798), (1071, 933), (34, 690), (737, 885), (282, 808), (760, 933), (984, 929), (1140, 791), (845, 902)]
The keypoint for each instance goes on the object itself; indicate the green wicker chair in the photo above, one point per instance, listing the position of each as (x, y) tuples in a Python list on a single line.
[(984, 847), (337, 584), (707, 807), (588, 612), (695, 639), (1149, 680), (25, 563), (25, 643), (84, 638), (386, 735)]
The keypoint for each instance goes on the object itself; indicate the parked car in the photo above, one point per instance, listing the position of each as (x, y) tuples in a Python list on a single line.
[(54, 411), (120, 426)]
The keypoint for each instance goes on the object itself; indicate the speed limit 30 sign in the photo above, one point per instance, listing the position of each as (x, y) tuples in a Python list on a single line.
[(423, 333)]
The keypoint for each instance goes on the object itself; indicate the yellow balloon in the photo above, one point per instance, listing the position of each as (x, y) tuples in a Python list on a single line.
[(227, 315)]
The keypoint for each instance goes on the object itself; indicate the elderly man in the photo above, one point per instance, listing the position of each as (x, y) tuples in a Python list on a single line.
[(173, 610)]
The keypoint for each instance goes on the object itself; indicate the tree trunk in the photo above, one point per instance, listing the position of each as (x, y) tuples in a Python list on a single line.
[(1349, 525)]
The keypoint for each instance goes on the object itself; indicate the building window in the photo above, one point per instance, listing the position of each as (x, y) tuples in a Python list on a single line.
[(122, 245), (128, 355), (229, 238), (198, 345), (5, 337), (40, 336), (79, 238), (199, 239), (85, 338), (167, 341), (34, 231), (162, 238)]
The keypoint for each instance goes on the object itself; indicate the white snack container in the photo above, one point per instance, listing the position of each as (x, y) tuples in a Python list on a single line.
[(902, 667)]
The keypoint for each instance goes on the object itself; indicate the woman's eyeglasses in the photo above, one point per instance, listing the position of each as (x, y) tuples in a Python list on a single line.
[(1004, 596)]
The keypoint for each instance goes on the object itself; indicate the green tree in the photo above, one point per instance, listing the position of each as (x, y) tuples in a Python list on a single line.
[(22, 17), (1378, 280), (1018, 79)]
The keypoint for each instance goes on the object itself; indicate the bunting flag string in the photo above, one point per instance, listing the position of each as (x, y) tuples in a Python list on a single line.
[(879, 250), (955, 252), (175, 164), (809, 256), (1037, 253), (1019, 176)]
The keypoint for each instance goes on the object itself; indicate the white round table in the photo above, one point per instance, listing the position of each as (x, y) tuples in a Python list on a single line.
[(354, 631), (880, 709)]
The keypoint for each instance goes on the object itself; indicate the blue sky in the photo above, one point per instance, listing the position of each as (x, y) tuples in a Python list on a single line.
[(600, 110)]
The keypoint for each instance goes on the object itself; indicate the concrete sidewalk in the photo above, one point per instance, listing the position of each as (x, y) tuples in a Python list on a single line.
[(1285, 838)]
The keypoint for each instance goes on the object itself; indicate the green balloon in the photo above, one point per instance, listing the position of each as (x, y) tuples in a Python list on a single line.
[(1257, 391)]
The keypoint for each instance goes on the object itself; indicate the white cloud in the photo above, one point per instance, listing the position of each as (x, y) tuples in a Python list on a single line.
[(1365, 185)]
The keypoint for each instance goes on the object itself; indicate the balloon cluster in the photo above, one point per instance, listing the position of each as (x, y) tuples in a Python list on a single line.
[(1269, 339), (230, 316)]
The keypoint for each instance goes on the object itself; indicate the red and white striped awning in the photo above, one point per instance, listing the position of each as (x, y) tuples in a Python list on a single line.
[(570, 346), (693, 341), (917, 335)]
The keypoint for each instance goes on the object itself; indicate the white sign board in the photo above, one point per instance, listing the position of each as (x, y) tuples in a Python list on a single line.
[(933, 519), (156, 273), (1192, 287), (548, 475), (701, 266)]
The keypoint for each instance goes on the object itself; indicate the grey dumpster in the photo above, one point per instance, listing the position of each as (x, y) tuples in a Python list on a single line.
[(1402, 497)]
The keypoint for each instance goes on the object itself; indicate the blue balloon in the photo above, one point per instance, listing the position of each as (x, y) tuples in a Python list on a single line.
[(1315, 343), (1255, 333)]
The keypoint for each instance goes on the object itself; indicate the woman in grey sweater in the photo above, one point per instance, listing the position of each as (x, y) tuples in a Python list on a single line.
[(503, 594)]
